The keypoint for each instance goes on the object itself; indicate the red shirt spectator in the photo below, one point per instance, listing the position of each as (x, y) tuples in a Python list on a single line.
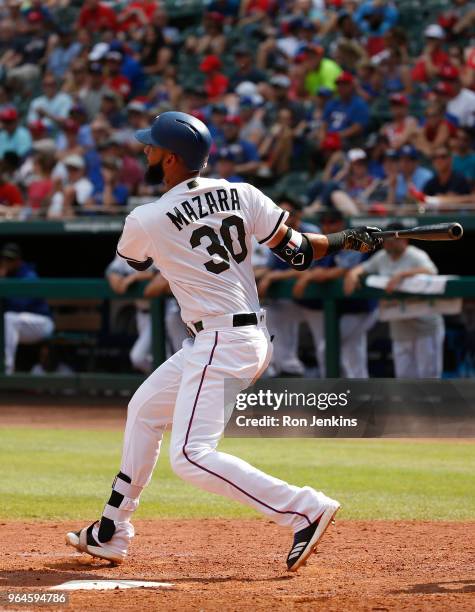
[(95, 16), (10, 195), (137, 14), (433, 57), (216, 83)]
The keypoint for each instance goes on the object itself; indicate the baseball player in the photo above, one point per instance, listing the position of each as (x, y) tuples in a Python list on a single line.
[(199, 235)]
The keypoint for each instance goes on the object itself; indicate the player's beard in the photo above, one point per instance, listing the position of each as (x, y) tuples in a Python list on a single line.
[(154, 174)]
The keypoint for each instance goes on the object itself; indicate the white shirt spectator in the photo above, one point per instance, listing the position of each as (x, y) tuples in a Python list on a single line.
[(463, 107), (59, 106)]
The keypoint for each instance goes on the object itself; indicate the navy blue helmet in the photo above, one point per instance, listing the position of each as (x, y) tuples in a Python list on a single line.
[(182, 134)]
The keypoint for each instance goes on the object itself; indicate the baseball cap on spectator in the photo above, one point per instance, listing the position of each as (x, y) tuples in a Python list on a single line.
[(449, 73), (355, 155), (331, 142), (221, 109), (391, 154), (324, 92), (399, 99), (434, 31), (443, 88), (345, 77), (11, 250), (98, 52), (35, 16), (251, 101), (74, 161), (410, 151), (241, 50), (210, 63), (9, 114), (135, 106), (114, 56), (71, 126), (246, 89), (233, 120), (37, 128), (308, 25), (96, 68), (280, 80), (78, 109)]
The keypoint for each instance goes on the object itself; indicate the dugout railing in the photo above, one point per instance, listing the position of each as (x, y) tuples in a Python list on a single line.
[(53, 288)]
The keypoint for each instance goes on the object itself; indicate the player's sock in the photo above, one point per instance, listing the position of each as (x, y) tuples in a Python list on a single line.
[(123, 502)]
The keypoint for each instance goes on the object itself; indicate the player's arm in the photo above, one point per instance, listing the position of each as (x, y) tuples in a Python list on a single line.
[(299, 250), (134, 245)]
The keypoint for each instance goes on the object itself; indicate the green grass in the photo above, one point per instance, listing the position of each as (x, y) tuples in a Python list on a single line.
[(66, 474)]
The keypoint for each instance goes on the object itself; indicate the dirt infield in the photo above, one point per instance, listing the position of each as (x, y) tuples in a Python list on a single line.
[(239, 565)]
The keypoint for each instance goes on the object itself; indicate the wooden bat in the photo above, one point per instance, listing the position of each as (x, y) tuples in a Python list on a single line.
[(439, 231)]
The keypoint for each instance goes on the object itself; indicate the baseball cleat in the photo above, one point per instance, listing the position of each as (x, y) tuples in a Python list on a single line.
[(86, 542), (306, 540)]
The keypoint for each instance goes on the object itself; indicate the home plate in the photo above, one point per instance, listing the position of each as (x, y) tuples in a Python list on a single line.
[(104, 585)]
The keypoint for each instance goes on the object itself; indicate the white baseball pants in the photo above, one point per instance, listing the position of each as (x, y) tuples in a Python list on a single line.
[(23, 328), (421, 357), (188, 391)]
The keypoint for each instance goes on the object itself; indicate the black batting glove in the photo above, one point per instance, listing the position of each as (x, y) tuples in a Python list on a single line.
[(362, 239)]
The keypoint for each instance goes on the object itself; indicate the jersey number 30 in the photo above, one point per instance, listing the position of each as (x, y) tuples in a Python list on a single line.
[(217, 248)]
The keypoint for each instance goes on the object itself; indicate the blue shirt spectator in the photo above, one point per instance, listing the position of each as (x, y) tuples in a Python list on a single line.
[(374, 19), (348, 114), (410, 173), (26, 304), (63, 54), (13, 137)]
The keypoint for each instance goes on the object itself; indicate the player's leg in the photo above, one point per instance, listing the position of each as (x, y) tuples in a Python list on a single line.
[(140, 354), (354, 345), (199, 421), (429, 354), (149, 412), (283, 320), (26, 328), (404, 359)]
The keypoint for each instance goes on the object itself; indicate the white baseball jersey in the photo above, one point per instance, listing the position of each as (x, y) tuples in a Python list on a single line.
[(199, 234)]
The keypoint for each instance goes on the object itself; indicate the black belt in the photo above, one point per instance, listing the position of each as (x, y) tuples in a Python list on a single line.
[(239, 320)]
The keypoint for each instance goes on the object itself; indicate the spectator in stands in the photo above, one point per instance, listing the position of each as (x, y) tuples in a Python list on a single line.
[(226, 166), (252, 126), (216, 83), (94, 89), (67, 141), (210, 38), (115, 80), (320, 71), (435, 132), (26, 320), (447, 186), (245, 68), (53, 106), (97, 16), (63, 48), (463, 160), (348, 114), (40, 189), (246, 153), (401, 129), (112, 107), (13, 137), (460, 100), (155, 52), (275, 149), (417, 342), (410, 173), (114, 193), (136, 15), (356, 316), (433, 56), (76, 79), (279, 99), (375, 18), (75, 194), (284, 314), (10, 195), (131, 172)]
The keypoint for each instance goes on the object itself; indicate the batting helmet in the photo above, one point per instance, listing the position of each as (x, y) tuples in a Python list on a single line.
[(182, 134)]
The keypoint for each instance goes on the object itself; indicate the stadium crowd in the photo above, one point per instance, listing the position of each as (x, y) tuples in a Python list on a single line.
[(360, 106), (332, 107)]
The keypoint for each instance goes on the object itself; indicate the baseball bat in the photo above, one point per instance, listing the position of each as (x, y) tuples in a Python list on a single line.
[(439, 231)]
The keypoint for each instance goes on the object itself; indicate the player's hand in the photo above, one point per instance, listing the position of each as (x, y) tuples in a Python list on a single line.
[(363, 239), (263, 285), (393, 283), (351, 282), (300, 285)]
